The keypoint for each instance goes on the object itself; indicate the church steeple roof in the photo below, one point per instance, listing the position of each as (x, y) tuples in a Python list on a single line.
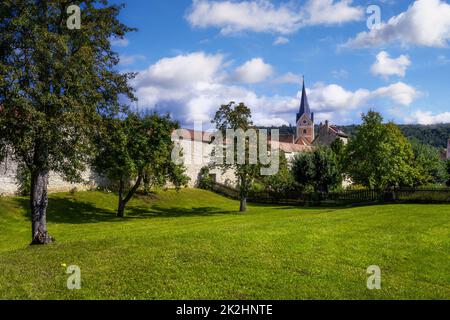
[(304, 104)]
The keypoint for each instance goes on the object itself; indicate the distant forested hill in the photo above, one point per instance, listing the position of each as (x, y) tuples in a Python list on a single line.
[(436, 135)]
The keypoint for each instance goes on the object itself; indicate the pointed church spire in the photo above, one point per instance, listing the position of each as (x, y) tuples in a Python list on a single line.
[(304, 105)]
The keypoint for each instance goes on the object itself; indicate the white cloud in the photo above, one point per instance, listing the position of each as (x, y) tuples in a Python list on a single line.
[(399, 92), (192, 86), (333, 97), (289, 77), (427, 117), (181, 71), (425, 23), (231, 16), (327, 98), (280, 41), (117, 42), (386, 66), (253, 71), (126, 60), (329, 12), (264, 16)]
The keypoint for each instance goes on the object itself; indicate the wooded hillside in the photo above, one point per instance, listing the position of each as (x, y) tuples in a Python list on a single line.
[(436, 135)]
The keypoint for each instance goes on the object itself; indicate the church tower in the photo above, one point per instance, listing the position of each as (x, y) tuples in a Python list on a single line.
[(305, 120)]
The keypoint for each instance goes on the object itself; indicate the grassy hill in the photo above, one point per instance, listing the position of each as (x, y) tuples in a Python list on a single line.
[(194, 245)]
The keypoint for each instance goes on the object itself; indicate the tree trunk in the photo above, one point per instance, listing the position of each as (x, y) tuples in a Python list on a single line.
[(38, 206), (123, 202), (243, 207), (121, 209)]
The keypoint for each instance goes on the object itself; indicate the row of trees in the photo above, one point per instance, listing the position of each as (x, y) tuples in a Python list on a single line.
[(377, 157)]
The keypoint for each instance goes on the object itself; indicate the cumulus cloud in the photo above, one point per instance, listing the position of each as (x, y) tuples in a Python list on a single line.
[(328, 12), (264, 16), (181, 71), (253, 71), (399, 92), (424, 23), (192, 86), (427, 117), (327, 98), (288, 77), (386, 66), (280, 41)]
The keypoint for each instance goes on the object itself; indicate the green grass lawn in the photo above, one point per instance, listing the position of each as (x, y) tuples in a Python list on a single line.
[(194, 245)]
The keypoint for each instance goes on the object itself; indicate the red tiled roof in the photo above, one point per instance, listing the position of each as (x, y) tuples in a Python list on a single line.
[(339, 132), (205, 137), (293, 148)]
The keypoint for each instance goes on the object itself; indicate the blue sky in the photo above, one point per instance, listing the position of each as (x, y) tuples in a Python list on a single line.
[(193, 56)]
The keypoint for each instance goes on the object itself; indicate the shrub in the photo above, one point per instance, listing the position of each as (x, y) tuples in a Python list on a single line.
[(205, 180), (318, 169)]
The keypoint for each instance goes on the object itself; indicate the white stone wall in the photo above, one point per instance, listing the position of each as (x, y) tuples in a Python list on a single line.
[(198, 155), (9, 183)]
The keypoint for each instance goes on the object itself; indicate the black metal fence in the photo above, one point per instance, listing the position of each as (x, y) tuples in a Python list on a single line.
[(405, 195)]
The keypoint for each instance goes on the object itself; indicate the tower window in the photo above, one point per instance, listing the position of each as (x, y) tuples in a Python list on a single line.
[(304, 131)]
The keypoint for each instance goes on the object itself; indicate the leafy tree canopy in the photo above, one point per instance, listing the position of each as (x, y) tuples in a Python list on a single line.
[(55, 86), (427, 160), (318, 169), (379, 156), (135, 149), (238, 117)]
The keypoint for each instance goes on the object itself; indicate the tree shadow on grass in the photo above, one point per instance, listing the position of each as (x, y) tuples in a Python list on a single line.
[(70, 211), (157, 211)]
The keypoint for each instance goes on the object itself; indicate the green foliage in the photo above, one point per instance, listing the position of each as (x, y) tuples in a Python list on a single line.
[(237, 117), (280, 182), (137, 149), (205, 180), (55, 86), (23, 176), (430, 168), (340, 150), (318, 169), (60, 82), (379, 156), (435, 135)]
